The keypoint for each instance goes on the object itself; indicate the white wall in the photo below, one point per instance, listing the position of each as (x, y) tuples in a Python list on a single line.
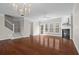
[(76, 25), (25, 28), (5, 33), (36, 28)]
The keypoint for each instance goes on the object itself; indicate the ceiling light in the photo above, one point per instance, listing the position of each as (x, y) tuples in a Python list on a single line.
[(22, 8)]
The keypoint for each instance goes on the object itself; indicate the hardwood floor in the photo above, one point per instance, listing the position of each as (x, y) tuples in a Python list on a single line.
[(43, 45)]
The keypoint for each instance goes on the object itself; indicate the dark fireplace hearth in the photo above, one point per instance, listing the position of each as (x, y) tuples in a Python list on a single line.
[(66, 33)]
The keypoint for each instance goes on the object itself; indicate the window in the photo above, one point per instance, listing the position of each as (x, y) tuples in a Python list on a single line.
[(57, 28), (46, 28), (51, 27), (42, 29)]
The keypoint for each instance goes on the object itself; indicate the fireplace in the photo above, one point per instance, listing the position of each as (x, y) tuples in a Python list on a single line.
[(66, 33)]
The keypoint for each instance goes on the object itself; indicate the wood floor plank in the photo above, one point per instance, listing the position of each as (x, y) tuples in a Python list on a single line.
[(45, 45)]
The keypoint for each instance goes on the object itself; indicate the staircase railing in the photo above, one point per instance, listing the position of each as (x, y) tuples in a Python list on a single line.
[(9, 25)]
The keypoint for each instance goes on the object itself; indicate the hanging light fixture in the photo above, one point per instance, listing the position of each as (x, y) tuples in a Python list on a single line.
[(22, 8)]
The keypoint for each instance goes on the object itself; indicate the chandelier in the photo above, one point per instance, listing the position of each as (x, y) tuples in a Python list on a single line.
[(22, 8)]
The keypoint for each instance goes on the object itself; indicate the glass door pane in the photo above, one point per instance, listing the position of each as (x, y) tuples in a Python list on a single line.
[(42, 27)]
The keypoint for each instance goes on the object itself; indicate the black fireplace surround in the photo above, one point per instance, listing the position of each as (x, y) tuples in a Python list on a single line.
[(66, 33)]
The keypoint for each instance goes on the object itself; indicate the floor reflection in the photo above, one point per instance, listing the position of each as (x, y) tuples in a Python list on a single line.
[(46, 41)]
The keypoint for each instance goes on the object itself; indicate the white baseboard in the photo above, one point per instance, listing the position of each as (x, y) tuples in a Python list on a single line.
[(76, 46)]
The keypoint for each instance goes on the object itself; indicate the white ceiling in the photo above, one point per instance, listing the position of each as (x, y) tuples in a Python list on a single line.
[(40, 9)]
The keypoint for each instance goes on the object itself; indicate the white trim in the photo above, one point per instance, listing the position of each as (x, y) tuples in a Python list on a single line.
[(76, 46)]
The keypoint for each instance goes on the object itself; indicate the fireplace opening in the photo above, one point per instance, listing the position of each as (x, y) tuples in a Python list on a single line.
[(66, 33)]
